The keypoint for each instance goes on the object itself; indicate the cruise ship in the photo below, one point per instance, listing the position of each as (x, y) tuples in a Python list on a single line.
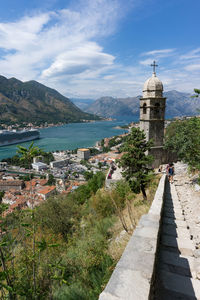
[(14, 137)]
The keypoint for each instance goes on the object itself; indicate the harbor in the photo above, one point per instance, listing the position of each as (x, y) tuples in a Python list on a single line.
[(70, 136)]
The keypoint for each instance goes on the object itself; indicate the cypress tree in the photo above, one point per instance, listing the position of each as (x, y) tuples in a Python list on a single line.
[(135, 162)]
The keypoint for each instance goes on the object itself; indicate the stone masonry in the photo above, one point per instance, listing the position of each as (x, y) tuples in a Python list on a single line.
[(152, 117), (178, 265), (132, 277), (162, 258)]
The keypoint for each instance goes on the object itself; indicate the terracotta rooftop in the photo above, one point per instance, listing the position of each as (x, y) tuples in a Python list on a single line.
[(35, 182), (83, 149), (11, 182), (47, 189)]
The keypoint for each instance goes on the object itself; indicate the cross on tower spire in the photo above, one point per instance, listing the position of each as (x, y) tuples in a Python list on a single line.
[(154, 67)]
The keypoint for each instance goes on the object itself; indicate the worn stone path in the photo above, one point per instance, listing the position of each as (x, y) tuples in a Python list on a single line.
[(178, 263)]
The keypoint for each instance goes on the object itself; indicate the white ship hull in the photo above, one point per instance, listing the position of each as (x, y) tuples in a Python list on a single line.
[(11, 139)]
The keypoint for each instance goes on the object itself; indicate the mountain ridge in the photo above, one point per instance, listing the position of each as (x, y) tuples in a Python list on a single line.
[(177, 104), (34, 102)]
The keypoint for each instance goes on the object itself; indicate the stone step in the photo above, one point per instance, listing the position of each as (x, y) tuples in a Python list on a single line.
[(176, 231), (177, 223), (174, 263), (174, 210), (181, 245), (173, 215), (172, 201), (174, 192), (174, 206), (173, 286)]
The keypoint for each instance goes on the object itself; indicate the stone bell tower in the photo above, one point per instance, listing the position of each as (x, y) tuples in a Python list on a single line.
[(152, 116)]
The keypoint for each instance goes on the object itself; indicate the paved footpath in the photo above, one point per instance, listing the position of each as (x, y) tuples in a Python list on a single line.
[(178, 264)]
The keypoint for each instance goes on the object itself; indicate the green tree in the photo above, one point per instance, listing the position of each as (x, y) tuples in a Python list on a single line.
[(51, 180), (135, 162), (48, 156), (1, 195), (183, 138), (197, 93), (101, 203), (27, 154), (88, 175), (7, 289), (96, 182), (100, 165), (60, 214)]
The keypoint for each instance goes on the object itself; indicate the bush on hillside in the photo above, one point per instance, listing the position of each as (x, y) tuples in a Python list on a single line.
[(183, 138), (60, 214)]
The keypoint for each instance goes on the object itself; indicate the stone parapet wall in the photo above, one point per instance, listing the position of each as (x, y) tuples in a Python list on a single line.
[(134, 273)]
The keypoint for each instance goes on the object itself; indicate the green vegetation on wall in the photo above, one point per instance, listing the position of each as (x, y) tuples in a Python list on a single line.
[(183, 138)]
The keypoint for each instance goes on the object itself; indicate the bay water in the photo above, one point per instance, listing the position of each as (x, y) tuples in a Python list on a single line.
[(71, 136)]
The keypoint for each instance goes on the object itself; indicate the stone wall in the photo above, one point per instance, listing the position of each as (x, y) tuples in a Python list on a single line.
[(162, 156), (134, 273)]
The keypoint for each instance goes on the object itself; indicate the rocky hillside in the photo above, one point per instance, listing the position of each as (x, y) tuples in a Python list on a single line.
[(34, 102), (108, 106), (178, 104)]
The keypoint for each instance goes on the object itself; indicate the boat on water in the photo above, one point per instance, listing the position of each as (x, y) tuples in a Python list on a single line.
[(10, 137)]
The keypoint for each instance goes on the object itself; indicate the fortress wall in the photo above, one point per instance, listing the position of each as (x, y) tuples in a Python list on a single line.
[(134, 273)]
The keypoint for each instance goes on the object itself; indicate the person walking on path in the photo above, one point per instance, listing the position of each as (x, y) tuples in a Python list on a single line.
[(171, 173)]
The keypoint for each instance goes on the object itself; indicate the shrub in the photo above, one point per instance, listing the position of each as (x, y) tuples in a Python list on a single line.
[(102, 204), (59, 214)]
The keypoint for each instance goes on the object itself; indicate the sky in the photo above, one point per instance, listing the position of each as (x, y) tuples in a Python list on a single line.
[(95, 48)]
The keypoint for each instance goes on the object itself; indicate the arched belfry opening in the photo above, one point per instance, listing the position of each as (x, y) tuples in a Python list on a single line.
[(157, 109), (144, 108), (152, 114)]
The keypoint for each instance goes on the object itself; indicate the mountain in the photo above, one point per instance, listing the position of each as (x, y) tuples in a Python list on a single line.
[(82, 103), (181, 104), (178, 104), (108, 106), (114, 107), (34, 102)]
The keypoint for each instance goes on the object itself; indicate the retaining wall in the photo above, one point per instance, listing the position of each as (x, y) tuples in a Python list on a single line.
[(134, 273)]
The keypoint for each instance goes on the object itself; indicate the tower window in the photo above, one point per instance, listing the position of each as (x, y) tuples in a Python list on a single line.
[(157, 108), (144, 108)]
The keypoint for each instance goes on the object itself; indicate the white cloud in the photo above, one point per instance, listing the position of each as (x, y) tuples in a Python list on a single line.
[(58, 43), (78, 60), (146, 62), (193, 67), (62, 49), (22, 34), (159, 53), (194, 54)]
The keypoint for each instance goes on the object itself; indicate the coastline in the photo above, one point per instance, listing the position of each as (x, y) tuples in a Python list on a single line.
[(49, 125), (69, 136)]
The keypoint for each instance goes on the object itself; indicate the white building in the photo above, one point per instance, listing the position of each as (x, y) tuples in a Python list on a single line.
[(3, 165), (59, 163), (83, 153), (38, 166)]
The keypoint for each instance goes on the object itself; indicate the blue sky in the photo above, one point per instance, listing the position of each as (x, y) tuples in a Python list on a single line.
[(94, 48)]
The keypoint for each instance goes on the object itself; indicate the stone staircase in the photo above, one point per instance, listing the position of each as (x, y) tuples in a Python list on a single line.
[(175, 273), (160, 261)]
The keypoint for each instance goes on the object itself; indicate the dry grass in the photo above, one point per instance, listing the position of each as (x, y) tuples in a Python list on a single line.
[(139, 207)]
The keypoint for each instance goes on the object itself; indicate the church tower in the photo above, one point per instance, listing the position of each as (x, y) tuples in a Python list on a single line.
[(152, 115)]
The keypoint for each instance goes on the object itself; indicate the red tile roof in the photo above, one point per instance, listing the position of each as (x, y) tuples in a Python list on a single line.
[(47, 189)]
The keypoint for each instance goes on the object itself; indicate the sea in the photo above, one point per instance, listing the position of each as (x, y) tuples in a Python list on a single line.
[(72, 136)]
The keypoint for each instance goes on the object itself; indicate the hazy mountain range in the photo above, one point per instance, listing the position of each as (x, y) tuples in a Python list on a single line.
[(34, 102), (178, 104)]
